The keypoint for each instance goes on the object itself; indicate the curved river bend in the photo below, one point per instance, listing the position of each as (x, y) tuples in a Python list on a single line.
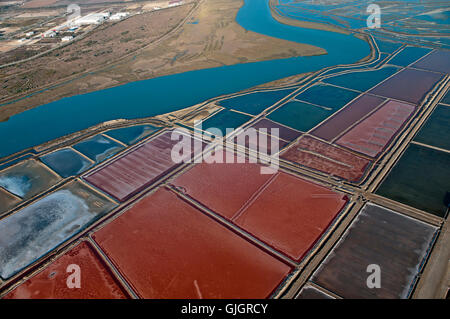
[(174, 92)]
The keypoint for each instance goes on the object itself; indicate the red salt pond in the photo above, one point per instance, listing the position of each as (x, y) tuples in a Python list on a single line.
[(166, 248), (223, 187), (51, 283), (408, 85), (374, 133), (136, 170), (310, 152), (291, 214), (349, 115), (286, 212)]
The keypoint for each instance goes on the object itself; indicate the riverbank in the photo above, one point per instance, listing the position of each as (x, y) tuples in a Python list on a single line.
[(302, 24), (209, 37), (165, 94)]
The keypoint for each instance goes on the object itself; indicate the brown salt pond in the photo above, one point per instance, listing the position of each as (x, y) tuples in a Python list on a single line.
[(438, 61), (260, 142), (378, 236), (311, 292), (408, 85), (327, 158), (7, 201), (285, 133)]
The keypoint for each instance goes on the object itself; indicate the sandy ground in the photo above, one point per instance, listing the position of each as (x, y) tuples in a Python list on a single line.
[(108, 43), (48, 3), (8, 45), (8, 3), (47, 13), (39, 3), (435, 280), (216, 40)]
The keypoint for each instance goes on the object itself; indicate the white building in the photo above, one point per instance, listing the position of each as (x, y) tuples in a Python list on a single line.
[(106, 15), (174, 3), (119, 16), (67, 38), (49, 34), (92, 18)]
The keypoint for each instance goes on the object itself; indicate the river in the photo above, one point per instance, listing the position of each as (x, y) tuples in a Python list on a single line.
[(174, 92)]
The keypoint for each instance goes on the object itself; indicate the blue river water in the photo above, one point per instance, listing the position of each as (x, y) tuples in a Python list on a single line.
[(174, 92)]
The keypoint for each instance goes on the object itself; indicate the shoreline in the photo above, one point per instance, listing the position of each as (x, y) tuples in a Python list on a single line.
[(265, 78), (142, 67), (303, 24)]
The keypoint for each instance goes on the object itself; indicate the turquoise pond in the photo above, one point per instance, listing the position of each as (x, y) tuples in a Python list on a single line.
[(98, 148), (169, 93), (255, 103), (66, 162), (321, 102), (132, 134), (223, 120), (408, 55), (362, 80), (387, 46), (299, 115), (328, 96)]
